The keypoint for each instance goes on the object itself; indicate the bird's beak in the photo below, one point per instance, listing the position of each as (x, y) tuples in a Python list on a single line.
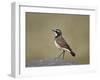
[(53, 30)]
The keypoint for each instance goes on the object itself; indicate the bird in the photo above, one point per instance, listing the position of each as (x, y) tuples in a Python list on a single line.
[(61, 43)]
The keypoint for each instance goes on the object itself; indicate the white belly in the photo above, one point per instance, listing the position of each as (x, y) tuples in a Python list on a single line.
[(57, 45)]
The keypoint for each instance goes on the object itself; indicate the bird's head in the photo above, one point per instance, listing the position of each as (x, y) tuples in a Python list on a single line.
[(57, 32)]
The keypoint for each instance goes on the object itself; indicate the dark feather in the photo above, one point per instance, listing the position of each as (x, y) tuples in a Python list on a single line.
[(72, 53), (61, 42)]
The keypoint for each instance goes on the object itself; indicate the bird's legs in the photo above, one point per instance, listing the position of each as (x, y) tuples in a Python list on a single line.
[(61, 54)]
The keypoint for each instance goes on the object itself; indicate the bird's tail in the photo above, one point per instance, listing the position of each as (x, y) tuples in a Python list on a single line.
[(72, 53)]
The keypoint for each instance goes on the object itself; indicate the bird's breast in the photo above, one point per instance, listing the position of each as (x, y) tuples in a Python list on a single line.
[(57, 45)]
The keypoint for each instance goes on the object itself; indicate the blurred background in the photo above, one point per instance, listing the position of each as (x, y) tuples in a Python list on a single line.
[(40, 38)]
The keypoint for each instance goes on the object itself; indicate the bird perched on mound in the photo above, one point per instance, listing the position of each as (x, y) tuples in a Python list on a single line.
[(61, 43)]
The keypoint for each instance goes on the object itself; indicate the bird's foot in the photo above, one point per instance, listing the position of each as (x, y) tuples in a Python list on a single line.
[(56, 58)]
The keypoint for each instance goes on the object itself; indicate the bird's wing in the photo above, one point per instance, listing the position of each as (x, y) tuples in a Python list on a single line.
[(63, 43)]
